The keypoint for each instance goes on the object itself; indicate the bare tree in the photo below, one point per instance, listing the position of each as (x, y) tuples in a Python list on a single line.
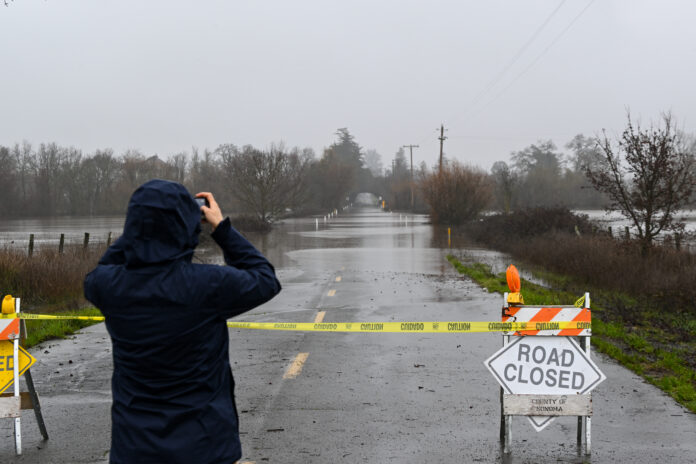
[(539, 167), (71, 183), (505, 182), (204, 171), (648, 175), (576, 189), (100, 171), (25, 164), (48, 160), (266, 182), (178, 165), (8, 181)]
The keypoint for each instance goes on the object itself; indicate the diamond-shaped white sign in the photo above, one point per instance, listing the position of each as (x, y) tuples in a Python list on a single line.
[(544, 366)]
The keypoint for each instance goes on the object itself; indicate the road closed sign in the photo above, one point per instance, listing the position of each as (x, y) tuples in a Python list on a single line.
[(544, 366)]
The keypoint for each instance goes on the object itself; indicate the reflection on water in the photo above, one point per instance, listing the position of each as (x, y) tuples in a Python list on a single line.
[(381, 240), (618, 222), (14, 233), (368, 227)]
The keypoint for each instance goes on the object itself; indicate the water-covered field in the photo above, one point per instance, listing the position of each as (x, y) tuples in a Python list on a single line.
[(14, 233)]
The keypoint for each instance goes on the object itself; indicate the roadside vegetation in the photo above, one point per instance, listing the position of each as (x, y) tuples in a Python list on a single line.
[(41, 330), (643, 305), (642, 293), (49, 283), (457, 193)]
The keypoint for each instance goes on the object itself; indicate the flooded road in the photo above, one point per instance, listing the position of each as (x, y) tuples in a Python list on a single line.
[(362, 397)]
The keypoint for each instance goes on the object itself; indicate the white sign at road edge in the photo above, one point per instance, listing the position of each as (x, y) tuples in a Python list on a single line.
[(540, 422)]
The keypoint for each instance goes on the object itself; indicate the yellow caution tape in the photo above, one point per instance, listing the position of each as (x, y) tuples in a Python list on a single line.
[(50, 317), (412, 327), (392, 327)]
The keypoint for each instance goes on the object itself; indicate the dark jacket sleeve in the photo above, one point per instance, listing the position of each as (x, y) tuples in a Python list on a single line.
[(248, 280)]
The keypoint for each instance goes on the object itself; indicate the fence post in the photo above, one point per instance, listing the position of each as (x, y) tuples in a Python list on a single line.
[(86, 243), (108, 240), (61, 244), (677, 241), (31, 244), (628, 233), (611, 233)]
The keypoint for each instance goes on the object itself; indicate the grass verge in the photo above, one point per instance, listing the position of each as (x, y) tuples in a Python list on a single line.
[(39, 330), (49, 283), (646, 344)]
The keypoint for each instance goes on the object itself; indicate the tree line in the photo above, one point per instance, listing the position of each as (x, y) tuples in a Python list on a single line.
[(269, 183), (642, 173)]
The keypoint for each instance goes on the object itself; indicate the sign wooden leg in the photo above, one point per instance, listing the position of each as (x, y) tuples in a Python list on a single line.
[(507, 447), (18, 420), (503, 423), (588, 419), (36, 405), (502, 417)]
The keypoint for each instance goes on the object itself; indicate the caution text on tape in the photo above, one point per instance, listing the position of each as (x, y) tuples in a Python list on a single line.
[(412, 327), (389, 327)]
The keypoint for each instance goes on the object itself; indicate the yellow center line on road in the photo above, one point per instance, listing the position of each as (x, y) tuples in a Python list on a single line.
[(320, 317), (338, 279), (296, 367), (331, 292)]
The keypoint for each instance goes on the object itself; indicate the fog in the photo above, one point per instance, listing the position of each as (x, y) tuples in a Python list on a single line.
[(164, 76)]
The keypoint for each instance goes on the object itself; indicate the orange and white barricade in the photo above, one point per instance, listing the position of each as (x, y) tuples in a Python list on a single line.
[(15, 361), (542, 319)]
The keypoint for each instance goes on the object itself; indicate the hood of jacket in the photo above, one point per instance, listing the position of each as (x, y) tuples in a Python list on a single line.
[(162, 224)]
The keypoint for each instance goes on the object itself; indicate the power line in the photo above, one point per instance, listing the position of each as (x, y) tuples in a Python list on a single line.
[(517, 55), (507, 67), (526, 69), (509, 137), (536, 60)]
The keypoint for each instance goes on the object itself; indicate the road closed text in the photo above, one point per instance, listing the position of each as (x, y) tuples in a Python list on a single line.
[(537, 365)]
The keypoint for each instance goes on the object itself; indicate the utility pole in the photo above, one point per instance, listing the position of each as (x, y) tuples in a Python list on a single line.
[(442, 139), (411, 147)]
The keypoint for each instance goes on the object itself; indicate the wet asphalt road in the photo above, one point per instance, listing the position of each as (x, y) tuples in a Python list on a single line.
[(379, 398)]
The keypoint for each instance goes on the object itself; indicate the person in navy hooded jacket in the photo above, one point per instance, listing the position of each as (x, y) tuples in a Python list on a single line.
[(173, 391)]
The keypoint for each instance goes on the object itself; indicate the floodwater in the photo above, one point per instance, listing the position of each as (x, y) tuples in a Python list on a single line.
[(618, 222), (412, 231), (407, 398), (343, 230), (14, 233)]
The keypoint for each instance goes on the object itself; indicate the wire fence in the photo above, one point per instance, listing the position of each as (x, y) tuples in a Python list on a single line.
[(45, 240)]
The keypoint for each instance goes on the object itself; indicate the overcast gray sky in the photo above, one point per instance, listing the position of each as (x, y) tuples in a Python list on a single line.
[(163, 76)]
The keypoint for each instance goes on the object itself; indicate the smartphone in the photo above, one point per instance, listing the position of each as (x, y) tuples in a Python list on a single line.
[(202, 202)]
